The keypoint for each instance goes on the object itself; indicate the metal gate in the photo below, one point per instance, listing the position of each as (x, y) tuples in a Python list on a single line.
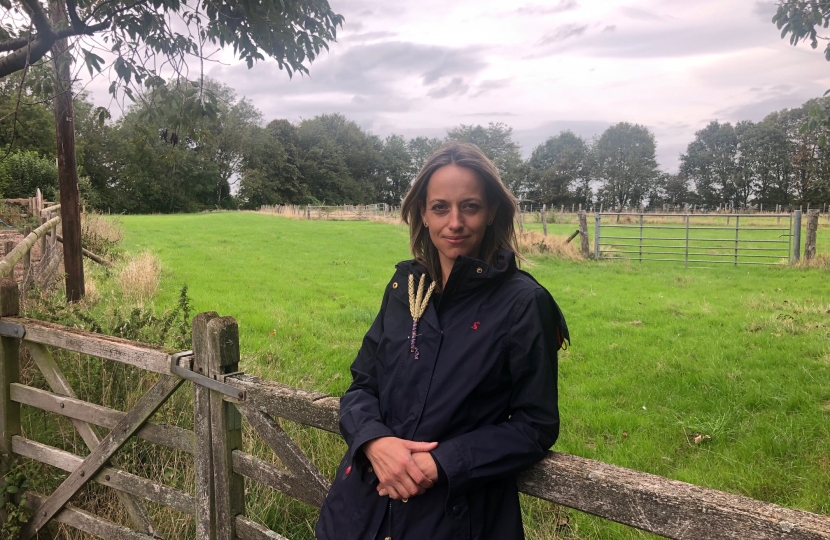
[(697, 238)]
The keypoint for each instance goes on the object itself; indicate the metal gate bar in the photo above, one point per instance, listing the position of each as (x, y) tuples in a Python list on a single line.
[(681, 247), (702, 228), (701, 254), (644, 245)]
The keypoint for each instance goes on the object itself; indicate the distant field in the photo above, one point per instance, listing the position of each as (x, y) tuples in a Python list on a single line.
[(660, 353)]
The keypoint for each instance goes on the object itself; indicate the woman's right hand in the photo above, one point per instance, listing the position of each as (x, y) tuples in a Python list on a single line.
[(399, 475)]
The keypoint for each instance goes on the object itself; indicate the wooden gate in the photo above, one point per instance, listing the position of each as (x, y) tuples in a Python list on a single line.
[(220, 465), (223, 397)]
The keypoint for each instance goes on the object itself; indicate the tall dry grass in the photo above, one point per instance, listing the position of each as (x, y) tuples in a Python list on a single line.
[(101, 234), (821, 261), (536, 243), (139, 278)]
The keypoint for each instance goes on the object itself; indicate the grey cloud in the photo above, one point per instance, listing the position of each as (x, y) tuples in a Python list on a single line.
[(536, 10), (490, 114), (562, 33), (367, 36), (492, 84), (639, 14), (767, 101), (609, 28), (665, 41), (456, 86), (364, 69), (668, 154)]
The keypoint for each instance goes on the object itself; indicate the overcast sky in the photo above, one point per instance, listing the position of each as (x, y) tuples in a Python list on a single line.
[(418, 67)]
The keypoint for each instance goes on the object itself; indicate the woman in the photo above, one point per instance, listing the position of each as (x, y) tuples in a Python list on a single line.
[(454, 388)]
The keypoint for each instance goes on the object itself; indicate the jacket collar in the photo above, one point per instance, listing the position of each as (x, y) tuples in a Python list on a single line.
[(468, 274)]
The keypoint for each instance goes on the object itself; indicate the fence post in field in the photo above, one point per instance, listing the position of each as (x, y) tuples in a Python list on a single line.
[(583, 234), (222, 357), (542, 213), (8, 246), (9, 373), (796, 254), (521, 220), (810, 241)]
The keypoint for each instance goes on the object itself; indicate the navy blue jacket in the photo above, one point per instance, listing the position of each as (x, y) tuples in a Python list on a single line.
[(484, 387)]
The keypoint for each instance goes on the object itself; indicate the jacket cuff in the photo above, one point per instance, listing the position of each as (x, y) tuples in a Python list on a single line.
[(371, 432), (442, 476), (452, 462)]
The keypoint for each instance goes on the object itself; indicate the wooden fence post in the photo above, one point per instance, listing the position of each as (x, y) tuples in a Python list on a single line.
[(8, 246), (9, 373), (203, 457), (810, 242), (583, 234), (42, 218), (225, 427), (27, 258), (542, 212), (796, 245)]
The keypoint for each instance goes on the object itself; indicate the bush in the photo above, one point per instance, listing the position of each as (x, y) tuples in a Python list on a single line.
[(22, 173)]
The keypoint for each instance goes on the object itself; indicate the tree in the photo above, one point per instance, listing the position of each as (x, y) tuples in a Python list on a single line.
[(710, 162), (800, 19), (136, 31), (397, 170), (339, 161), (496, 141), (222, 138), (671, 189), (290, 31), (560, 171), (420, 149), (21, 173), (270, 173), (625, 165), (26, 121), (766, 157)]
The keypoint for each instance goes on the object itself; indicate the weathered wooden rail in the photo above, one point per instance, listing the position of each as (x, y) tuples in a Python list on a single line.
[(222, 397)]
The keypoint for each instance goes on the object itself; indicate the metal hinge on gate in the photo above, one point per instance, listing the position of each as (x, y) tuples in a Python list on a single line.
[(186, 372), (12, 330)]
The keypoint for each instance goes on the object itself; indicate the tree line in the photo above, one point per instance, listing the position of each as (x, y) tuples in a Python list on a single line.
[(140, 163)]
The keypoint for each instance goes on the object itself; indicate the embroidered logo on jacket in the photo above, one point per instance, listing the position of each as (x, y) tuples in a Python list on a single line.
[(475, 325)]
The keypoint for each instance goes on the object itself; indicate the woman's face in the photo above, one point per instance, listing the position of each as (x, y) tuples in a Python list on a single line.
[(456, 213)]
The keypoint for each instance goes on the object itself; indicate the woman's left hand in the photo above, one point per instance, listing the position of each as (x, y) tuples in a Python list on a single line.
[(425, 462)]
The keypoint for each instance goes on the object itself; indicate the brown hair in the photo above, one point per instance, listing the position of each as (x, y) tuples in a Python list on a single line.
[(500, 235)]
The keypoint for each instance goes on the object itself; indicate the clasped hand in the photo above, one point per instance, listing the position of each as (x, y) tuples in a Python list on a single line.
[(404, 468)]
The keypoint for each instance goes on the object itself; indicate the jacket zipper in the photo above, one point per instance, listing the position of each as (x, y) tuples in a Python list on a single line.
[(389, 509)]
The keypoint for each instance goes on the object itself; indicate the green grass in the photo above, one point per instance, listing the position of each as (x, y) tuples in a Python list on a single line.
[(660, 353)]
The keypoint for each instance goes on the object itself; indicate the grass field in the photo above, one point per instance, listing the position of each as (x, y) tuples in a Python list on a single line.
[(660, 353)]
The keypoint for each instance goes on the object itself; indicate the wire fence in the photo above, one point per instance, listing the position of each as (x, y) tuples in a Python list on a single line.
[(346, 212)]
